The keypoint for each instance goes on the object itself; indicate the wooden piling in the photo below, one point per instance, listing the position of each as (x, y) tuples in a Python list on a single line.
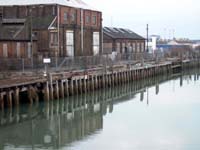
[(80, 85), (116, 78), (56, 90), (62, 89), (84, 85), (113, 79), (66, 87), (92, 83), (2, 101), (16, 96), (71, 87), (110, 80), (88, 84), (103, 82), (46, 91), (9, 98), (30, 95), (96, 82), (76, 86)]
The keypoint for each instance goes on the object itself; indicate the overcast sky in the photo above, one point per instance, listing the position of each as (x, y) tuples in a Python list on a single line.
[(163, 16)]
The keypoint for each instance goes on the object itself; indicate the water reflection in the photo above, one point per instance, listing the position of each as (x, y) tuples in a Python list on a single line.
[(61, 123)]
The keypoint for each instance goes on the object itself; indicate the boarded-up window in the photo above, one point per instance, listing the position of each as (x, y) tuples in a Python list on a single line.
[(118, 47), (18, 50), (53, 39), (107, 48), (70, 43), (96, 43), (29, 50), (5, 50)]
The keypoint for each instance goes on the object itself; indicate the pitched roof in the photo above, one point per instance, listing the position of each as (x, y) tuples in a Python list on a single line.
[(70, 3), (120, 33)]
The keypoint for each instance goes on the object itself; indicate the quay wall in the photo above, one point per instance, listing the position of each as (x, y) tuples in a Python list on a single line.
[(59, 85)]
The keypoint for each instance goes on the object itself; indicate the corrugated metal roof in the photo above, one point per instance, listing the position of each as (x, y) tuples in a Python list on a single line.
[(70, 3), (121, 33)]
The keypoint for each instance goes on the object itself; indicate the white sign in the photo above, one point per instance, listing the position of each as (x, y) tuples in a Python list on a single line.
[(46, 60)]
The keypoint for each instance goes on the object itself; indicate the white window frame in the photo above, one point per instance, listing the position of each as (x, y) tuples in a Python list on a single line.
[(69, 43), (18, 49), (29, 51), (96, 43), (5, 50)]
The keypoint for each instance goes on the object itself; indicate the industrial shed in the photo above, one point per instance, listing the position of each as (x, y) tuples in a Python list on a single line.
[(120, 40)]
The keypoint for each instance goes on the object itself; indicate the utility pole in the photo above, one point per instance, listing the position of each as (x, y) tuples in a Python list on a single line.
[(147, 48)]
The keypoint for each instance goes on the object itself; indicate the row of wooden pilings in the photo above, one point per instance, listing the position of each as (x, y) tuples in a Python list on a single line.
[(64, 87), (83, 84)]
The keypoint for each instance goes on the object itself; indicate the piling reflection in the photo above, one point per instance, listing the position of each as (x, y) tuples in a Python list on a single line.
[(59, 123)]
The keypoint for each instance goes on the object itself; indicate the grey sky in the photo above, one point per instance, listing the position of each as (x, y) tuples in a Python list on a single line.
[(182, 16)]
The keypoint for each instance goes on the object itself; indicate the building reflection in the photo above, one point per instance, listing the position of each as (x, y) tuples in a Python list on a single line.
[(56, 124)]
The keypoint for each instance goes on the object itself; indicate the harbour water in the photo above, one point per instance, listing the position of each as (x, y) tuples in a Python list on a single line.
[(151, 114)]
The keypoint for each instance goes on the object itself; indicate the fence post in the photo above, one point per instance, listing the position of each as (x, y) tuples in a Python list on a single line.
[(23, 65)]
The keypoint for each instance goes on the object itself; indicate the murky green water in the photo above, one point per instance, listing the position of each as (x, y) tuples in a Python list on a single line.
[(154, 114)]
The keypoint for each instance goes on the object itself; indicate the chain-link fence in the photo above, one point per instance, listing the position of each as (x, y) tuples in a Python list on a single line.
[(72, 63)]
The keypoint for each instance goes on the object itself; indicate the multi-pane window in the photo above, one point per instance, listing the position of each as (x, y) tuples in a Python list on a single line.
[(65, 17), (70, 43), (96, 43), (73, 16), (87, 19), (94, 20)]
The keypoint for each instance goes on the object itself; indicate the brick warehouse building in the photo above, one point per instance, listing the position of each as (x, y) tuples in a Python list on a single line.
[(122, 41), (58, 28)]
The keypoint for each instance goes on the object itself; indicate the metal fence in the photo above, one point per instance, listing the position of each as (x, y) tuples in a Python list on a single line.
[(72, 63)]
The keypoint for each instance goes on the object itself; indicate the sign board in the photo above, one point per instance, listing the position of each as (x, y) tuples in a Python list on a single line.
[(46, 60)]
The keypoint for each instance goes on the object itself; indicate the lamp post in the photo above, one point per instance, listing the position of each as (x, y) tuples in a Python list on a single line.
[(147, 48)]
